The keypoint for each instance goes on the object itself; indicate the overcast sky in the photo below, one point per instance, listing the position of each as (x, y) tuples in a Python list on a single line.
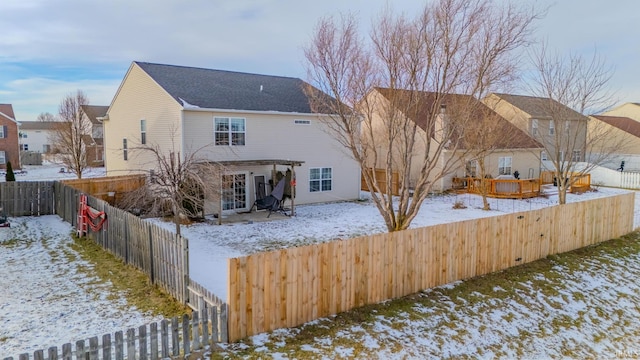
[(49, 49)]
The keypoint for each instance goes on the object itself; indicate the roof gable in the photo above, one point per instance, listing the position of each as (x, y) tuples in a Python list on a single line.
[(217, 89), (538, 107), (623, 123), (93, 112), (6, 111)]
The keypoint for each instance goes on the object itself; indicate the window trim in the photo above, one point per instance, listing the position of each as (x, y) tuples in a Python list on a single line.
[(534, 126), (229, 132), (502, 166), (321, 180), (143, 131)]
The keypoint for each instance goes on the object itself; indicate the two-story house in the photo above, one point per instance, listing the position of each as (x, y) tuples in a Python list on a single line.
[(511, 149), (35, 135), (561, 131), (9, 148), (255, 124), (94, 142)]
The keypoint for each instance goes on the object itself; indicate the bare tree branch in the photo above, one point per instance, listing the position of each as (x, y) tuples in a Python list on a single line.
[(68, 137)]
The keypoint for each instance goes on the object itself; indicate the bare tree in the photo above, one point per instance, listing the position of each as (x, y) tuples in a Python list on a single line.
[(398, 80), (46, 116), (571, 86), (178, 183), (68, 137)]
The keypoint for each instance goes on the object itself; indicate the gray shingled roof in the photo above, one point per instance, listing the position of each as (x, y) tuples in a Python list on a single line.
[(38, 125), (539, 107), (218, 89), (93, 112)]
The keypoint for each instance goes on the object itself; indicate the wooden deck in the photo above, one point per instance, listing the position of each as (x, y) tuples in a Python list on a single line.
[(499, 188), (518, 189)]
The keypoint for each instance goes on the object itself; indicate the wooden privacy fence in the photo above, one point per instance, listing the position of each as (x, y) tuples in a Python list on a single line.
[(110, 188), (381, 179), (159, 253), (174, 338), (27, 198), (289, 287)]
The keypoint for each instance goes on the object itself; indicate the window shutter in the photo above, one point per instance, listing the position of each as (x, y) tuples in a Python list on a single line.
[(4, 132)]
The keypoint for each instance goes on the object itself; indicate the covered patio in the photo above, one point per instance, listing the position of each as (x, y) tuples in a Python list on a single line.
[(246, 181)]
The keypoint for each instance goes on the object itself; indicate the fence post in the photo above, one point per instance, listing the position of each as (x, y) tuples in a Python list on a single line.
[(151, 260), (185, 270)]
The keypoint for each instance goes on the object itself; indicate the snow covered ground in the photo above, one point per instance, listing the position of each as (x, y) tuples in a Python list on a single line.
[(41, 285), (51, 171), (211, 245), (47, 295)]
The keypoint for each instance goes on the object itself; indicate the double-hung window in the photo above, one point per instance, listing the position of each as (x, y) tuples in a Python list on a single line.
[(552, 127), (320, 179), (3, 157), (229, 131), (576, 156), (504, 165), (125, 150)]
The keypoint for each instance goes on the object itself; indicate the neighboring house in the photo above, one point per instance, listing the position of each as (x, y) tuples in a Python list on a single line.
[(35, 135), (630, 110), (9, 149), (547, 121), (94, 142), (516, 151), (618, 130), (255, 124)]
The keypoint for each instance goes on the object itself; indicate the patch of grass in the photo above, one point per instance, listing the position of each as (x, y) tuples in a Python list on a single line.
[(127, 280)]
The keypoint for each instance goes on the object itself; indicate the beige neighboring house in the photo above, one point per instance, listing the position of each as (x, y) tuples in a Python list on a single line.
[(619, 129), (534, 116), (255, 124), (629, 110), (518, 152)]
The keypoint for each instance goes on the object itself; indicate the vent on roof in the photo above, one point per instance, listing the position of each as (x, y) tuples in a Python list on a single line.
[(302, 122), (261, 87)]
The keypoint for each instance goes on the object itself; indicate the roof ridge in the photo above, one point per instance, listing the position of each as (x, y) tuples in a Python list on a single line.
[(220, 70)]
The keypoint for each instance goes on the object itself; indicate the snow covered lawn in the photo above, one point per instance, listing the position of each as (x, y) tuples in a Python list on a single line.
[(48, 295), (211, 245)]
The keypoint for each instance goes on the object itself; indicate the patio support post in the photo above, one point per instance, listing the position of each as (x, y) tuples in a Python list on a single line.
[(293, 189)]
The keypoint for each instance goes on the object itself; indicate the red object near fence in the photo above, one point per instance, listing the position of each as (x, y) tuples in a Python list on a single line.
[(87, 217)]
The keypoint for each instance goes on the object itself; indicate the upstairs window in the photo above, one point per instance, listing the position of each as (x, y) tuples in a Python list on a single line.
[(576, 156), (143, 132), (125, 150), (3, 157), (320, 179), (229, 131), (552, 128), (534, 126)]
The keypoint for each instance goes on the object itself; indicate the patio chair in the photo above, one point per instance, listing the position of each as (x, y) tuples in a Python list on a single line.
[(273, 201)]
